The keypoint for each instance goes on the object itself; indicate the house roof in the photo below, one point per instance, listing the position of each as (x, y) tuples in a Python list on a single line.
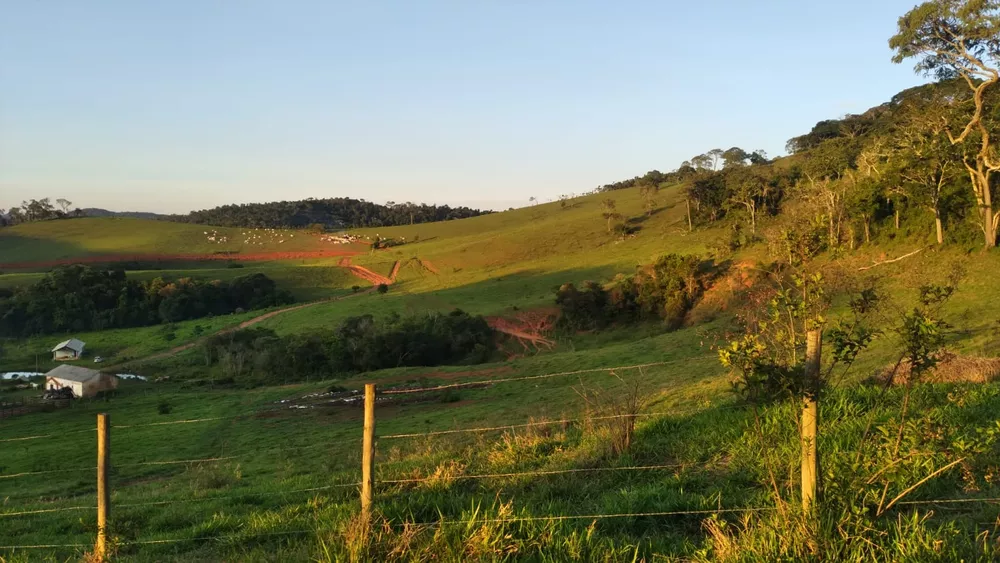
[(72, 344), (78, 374)]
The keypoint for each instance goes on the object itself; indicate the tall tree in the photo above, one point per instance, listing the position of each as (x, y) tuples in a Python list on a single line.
[(648, 194), (735, 157), (961, 38), (923, 157), (747, 188), (825, 170)]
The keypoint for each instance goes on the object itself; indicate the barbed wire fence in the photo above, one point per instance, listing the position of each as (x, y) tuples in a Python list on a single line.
[(102, 509)]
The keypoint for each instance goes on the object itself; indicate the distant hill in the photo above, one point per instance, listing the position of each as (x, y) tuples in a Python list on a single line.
[(98, 212)]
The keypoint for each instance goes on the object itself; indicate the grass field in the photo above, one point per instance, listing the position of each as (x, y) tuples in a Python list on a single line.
[(278, 485), (111, 236), (272, 490)]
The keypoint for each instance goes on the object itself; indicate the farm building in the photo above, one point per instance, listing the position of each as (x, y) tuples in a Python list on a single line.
[(71, 349), (82, 381)]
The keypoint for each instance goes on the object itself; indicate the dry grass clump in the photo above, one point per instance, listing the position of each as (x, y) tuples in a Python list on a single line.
[(951, 368)]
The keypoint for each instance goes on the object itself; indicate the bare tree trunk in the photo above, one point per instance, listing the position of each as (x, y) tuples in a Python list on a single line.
[(939, 225), (897, 218), (687, 202), (868, 230), (989, 226), (850, 236)]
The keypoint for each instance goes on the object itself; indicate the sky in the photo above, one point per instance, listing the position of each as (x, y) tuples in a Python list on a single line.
[(181, 105)]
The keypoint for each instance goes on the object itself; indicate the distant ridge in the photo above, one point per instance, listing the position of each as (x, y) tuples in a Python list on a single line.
[(98, 212)]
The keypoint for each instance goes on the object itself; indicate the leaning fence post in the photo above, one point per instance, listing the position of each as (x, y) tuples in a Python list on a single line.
[(103, 491), (368, 453), (810, 420)]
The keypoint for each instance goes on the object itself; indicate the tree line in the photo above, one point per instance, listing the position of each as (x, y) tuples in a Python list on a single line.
[(81, 298), (332, 212), (358, 344), (38, 210), (928, 156)]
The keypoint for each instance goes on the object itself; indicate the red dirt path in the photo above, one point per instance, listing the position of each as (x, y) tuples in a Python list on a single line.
[(366, 274), (234, 256)]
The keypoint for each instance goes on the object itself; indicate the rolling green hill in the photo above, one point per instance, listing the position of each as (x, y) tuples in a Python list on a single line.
[(268, 473)]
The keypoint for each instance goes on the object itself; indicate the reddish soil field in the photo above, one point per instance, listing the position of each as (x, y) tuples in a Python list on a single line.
[(228, 257)]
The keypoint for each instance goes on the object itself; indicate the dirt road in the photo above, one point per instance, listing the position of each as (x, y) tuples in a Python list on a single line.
[(245, 324)]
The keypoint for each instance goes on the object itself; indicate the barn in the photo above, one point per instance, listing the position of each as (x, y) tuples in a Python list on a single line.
[(82, 381), (71, 349)]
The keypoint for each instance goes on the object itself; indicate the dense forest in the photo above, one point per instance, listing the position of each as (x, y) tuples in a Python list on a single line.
[(79, 298), (334, 213)]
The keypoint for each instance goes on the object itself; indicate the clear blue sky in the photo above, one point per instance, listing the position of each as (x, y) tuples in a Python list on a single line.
[(179, 105)]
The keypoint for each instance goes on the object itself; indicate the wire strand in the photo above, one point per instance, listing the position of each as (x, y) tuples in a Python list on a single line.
[(190, 421), (514, 426), (117, 465), (46, 510), (949, 501), (229, 497), (510, 379), (540, 472), (594, 516)]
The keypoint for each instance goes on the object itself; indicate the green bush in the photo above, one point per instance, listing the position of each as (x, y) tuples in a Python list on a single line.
[(666, 290)]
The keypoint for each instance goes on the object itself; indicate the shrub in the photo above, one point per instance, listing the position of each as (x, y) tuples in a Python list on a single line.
[(383, 289), (665, 290)]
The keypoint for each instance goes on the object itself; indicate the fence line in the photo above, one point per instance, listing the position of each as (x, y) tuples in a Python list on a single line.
[(480, 521)]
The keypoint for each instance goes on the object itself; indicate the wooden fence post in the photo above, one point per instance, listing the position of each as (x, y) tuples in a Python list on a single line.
[(810, 420), (368, 453), (103, 490)]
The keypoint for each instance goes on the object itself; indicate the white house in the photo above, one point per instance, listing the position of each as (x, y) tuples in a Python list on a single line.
[(71, 349), (84, 382)]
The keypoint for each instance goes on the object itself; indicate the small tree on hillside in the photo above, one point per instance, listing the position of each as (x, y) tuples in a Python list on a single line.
[(648, 195), (608, 211), (748, 187)]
